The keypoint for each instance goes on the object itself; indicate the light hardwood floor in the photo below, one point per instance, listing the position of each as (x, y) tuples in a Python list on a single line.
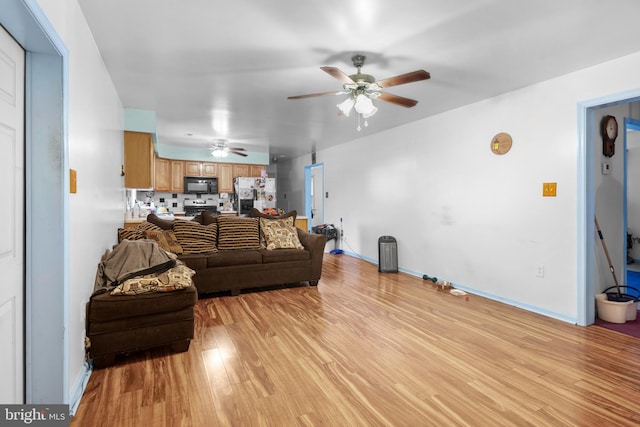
[(372, 349)]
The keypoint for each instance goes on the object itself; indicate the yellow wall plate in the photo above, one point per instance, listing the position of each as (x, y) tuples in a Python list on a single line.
[(72, 181), (549, 189)]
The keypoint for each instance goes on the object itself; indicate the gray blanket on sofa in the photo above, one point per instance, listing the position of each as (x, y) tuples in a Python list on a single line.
[(128, 259)]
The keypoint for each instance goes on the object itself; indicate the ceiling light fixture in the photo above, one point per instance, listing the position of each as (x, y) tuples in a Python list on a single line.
[(362, 90), (219, 152), (360, 100)]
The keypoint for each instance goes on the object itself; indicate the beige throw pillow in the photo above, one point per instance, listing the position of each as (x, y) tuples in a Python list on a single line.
[(280, 233)]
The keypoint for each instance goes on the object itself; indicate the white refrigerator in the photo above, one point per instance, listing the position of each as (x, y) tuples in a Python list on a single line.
[(261, 190)]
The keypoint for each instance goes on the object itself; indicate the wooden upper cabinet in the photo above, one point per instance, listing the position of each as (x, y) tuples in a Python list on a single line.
[(240, 170), (200, 169), (177, 176), (209, 169), (169, 175), (138, 160), (162, 174), (225, 178), (192, 168), (256, 170)]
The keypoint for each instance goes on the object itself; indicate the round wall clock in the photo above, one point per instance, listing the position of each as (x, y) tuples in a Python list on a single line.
[(501, 143), (609, 135)]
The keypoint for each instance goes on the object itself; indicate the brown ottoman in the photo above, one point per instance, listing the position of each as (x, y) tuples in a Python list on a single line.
[(122, 324)]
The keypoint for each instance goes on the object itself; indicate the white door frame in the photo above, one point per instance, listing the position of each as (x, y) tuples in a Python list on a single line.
[(46, 204), (629, 124), (307, 192), (12, 220), (586, 200)]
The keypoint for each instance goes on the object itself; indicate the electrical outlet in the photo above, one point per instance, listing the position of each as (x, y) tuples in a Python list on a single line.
[(540, 270)]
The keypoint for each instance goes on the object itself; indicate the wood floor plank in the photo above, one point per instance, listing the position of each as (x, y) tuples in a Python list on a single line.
[(365, 348)]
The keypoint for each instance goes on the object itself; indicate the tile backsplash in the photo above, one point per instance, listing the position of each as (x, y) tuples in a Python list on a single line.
[(174, 202)]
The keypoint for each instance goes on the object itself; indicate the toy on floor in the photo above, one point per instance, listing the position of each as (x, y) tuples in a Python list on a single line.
[(442, 284)]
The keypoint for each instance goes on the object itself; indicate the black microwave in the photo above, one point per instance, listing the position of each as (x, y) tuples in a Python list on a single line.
[(200, 185)]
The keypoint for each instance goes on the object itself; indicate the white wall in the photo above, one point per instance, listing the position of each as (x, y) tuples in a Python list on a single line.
[(95, 123), (464, 214)]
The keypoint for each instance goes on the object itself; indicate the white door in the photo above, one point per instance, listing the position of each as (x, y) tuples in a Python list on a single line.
[(11, 220)]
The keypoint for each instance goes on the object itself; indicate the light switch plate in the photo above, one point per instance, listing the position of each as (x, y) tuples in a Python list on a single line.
[(549, 189), (73, 181), (606, 168)]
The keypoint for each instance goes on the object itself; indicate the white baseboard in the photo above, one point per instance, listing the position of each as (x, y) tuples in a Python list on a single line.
[(79, 387)]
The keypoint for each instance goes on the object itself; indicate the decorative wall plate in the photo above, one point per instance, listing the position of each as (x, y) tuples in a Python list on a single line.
[(501, 143)]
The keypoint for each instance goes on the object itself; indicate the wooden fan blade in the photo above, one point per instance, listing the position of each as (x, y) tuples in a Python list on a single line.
[(311, 95), (237, 153), (411, 77), (398, 100), (236, 149), (338, 74)]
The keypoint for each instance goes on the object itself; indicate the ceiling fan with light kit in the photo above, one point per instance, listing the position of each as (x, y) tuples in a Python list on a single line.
[(220, 149), (363, 89)]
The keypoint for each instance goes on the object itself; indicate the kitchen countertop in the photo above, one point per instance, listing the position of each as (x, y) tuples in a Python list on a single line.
[(138, 220), (181, 215)]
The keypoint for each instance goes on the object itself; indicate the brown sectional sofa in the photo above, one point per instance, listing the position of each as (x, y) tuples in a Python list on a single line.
[(237, 263), (229, 254), (127, 323)]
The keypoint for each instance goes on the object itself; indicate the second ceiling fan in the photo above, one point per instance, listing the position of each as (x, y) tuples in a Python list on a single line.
[(363, 89), (220, 148)]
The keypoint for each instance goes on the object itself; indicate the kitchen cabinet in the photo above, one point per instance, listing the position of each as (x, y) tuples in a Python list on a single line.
[(225, 178), (208, 169), (240, 170), (162, 173), (169, 175), (177, 176), (192, 168), (256, 170), (138, 160)]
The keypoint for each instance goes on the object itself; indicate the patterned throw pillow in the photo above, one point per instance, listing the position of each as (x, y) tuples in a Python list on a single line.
[(137, 232), (195, 238), (130, 233), (238, 233), (255, 213), (174, 279), (166, 240), (280, 234), (146, 225)]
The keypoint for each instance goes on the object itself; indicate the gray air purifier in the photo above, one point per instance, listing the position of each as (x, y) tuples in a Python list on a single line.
[(387, 254)]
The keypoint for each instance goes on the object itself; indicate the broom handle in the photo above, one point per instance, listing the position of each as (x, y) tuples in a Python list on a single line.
[(606, 252)]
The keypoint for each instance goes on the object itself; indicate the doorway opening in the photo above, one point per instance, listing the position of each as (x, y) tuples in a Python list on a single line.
[(587, 149), (631, 205), (314, 194)]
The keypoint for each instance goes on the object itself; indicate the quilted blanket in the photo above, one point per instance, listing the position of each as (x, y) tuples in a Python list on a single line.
[(129, 259)]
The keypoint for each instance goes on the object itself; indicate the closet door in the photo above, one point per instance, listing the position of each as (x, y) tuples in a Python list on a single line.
[(12, 175)]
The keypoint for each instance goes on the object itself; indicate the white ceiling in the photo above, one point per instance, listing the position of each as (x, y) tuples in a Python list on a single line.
[(224, 69)]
